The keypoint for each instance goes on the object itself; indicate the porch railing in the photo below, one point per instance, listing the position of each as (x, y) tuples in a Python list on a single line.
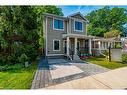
[(78, 52), (71, 53), (82, 51)]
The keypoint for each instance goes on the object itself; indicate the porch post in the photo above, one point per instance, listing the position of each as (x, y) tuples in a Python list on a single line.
[(90, 52), (75, 46), (108, 44), (99, 46), (67, 45)]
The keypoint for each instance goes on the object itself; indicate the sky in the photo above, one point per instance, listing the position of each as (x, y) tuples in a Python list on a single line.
[(85, 9)]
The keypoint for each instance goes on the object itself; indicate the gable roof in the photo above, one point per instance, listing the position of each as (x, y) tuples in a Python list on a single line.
[(72, 15), (53, 15), (78, 13)]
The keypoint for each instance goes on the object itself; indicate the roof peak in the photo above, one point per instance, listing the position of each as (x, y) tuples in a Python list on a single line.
[(77, 13)]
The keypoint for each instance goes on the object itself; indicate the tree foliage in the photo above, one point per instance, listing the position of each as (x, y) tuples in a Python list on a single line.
[(106, 19), (39, 10), (112, 33), (21, 30)]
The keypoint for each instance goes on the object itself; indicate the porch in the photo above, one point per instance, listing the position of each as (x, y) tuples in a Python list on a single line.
[(102, 44), (76, 45)]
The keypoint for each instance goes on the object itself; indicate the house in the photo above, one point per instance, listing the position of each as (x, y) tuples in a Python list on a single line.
[(124, 44), (100, 45), (67, 36)]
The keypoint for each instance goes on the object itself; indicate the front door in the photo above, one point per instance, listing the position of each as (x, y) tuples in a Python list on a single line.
[(78, 45), (65, 46), (86, 46)]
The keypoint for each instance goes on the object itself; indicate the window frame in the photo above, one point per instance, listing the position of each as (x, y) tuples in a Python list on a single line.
[(54, 22), (54, 44), (82, 26)]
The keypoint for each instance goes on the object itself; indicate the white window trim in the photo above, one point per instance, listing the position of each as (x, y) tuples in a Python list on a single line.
[(53, 44), (56, 28), (82, 26)]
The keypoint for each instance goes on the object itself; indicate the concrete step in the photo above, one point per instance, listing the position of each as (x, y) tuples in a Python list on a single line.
[(56, 57)]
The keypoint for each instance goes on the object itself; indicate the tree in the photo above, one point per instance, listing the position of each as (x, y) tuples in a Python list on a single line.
[(39, 10), (112, 33), (106, 19), (21, 30)]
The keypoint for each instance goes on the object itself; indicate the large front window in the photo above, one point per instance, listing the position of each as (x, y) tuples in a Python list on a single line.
[(78, 26), (56, 45), (58, 24)]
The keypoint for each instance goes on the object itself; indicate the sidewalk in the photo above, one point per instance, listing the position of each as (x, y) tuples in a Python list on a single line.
[(114, 79)]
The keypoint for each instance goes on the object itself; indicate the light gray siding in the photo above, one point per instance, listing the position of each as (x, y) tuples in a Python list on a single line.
[(57, 34), (80, 18), (54, 34), (77, 32)]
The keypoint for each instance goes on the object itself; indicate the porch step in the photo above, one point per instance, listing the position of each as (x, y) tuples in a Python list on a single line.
[(56, 57), (77, 59)]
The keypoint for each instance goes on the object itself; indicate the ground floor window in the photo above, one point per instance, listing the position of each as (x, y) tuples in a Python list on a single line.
[(56, 45)]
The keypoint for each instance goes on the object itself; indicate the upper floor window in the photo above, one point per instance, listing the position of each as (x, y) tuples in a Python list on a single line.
[(58, 24), (78, 26)]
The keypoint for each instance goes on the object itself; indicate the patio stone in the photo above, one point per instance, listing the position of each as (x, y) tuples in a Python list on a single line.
[(83, 83), (55, 71), (91, 69), (114, 79), (64, 70)]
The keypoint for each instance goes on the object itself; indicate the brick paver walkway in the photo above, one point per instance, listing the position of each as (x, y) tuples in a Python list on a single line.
[(43, 77)]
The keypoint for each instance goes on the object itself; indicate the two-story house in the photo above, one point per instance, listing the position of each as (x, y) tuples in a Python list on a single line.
[(66, 34)]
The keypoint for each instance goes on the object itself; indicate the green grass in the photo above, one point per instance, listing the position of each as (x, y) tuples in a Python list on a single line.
[(105, 63), (18, 79)]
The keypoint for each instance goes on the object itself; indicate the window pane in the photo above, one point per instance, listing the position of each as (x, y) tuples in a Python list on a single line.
[(78, 25), (56, 45), (58, 24)]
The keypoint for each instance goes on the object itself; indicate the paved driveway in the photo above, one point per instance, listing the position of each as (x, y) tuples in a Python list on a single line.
[(55, 71), (114, 79)]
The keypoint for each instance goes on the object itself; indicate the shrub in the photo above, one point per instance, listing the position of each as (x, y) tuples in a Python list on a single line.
[(3, 68), (118, 45), (124, 57), (15, 67), (106, 52), (31, 51), (2, 60), (23, 58), (11, 67), (12, 59)]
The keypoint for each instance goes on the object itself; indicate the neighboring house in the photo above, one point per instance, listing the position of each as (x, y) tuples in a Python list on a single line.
[(100, 45), (68, 35), (124, 44)]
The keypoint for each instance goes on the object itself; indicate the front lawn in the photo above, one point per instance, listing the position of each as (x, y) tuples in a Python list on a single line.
[(18, 79), (105, 63)]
